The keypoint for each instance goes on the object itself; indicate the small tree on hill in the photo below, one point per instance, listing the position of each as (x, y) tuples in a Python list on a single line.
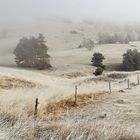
[(87, 43), (32, 52), (97, 60), (131, 60)]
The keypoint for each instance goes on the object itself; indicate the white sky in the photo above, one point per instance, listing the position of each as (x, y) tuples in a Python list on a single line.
[(107, 9)]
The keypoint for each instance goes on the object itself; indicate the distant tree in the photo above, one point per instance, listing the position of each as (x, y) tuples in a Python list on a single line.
[(97, 60), (87, 43), (120, 38), (32, 52), (80, 46), (105, 38), (127, 39), (109, 38), (131, 60), (98, 71)]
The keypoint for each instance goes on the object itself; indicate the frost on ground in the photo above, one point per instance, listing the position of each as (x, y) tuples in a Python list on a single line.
[(98, 115)]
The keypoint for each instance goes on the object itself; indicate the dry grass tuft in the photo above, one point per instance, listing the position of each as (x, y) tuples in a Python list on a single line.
[(96, 79), (7, 82), (69, 103), (7, 119), (122, 101), (74, 75), (129, 137)]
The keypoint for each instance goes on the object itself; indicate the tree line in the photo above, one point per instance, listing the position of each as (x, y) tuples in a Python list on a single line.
[(130, 61), (33, 52)]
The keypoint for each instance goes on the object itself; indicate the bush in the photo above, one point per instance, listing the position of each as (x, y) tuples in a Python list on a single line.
[(97, 60), (131, 60), (32, 52), (73, 32), (98, 71), (116, 75)]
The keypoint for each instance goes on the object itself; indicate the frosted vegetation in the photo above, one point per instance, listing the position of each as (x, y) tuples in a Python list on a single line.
[(107, 106)]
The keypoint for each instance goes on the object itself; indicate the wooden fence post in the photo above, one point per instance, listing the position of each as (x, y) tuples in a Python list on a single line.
[(75, 102), (128, 84), (36, 106), (138, 79), (110, 87)]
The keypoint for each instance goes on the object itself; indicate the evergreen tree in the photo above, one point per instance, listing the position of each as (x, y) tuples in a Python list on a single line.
[(131, 60), (32, 52), (97, 60)]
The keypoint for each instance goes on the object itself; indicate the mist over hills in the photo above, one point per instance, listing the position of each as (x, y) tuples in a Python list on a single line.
[(17, 12)]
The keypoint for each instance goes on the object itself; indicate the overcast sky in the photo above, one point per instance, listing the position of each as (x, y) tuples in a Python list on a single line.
[(22, 10)]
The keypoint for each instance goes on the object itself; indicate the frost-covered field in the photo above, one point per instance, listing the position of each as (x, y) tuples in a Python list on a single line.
[(105, 116), (98, 114)]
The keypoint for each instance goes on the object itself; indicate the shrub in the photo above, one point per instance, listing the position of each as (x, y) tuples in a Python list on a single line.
[(73, 32), (97, 60), (98, 71), (32, 52), (116, 75), (131, 60)]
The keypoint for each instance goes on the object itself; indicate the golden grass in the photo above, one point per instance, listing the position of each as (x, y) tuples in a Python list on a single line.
[(7, 82), (69, 103)]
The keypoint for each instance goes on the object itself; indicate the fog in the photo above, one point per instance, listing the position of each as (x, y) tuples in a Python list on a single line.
[(23, 11)]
